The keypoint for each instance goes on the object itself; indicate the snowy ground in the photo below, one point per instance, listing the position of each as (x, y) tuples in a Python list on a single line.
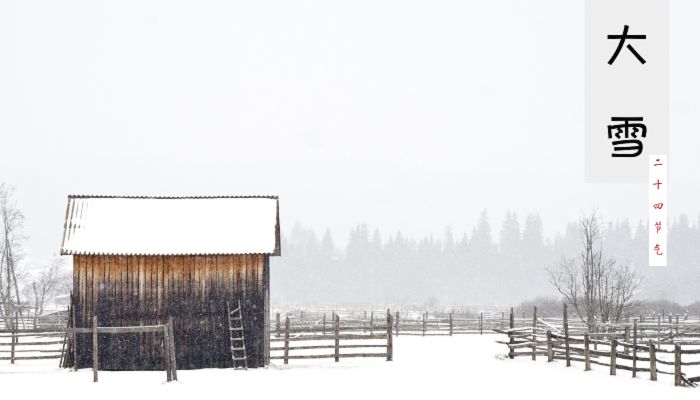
[(423, 367)]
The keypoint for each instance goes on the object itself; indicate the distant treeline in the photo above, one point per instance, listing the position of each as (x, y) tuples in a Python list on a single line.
[(468, 268)]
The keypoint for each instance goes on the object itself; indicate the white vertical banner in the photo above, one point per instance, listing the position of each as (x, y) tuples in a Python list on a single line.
[(626, 88), (627, 103), (658, 210)]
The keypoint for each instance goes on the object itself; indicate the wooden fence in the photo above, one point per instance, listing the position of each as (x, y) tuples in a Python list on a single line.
[(53, 337), (168, 343), (468, 320), (53, 321), (653, 348), (418, 323), (32, 337), (332, 338), (426, 325)]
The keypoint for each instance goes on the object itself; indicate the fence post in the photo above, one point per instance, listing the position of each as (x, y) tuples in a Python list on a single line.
[(503, 317), (324, 324), (424, 323), (652, 360), (13, 338), (286, 340), (511, 341), (481, 323), (277, 324), (613, 356), (166, 353), (371, 323), (337, 338), (566, 336), (534, 333), (626, 338), (173, 357), (586, 352), (634, 348), (397, 323), (450, 324), (389, 337), (677, 365), (550, 355), (95, 350)]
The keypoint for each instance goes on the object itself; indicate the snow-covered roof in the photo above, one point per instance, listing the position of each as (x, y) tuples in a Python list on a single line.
[(171, 225)]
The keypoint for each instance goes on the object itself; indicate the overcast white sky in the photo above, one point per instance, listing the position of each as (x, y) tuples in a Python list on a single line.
[(409, 115)]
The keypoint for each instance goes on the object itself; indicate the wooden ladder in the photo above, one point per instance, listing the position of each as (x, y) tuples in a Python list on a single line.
[(235, 325)]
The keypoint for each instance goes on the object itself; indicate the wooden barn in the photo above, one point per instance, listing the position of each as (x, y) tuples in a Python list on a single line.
[(141, 260)]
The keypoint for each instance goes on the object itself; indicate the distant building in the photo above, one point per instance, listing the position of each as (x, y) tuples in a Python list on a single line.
[(62, 300), (140, 260)]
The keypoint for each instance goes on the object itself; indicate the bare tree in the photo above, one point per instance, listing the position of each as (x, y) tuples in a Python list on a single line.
[(11, 222), (596, 286), (49, 283)]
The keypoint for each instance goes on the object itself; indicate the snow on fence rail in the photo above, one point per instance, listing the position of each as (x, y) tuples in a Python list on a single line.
[(299, 343), (635, 347)]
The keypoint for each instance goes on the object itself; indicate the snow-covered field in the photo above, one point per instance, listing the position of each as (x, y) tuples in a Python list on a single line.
[(424, 367)]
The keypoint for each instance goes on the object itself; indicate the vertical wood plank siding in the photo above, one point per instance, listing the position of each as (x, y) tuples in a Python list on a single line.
[(146, 290)]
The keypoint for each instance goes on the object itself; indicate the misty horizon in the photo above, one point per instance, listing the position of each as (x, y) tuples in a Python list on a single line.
[(489, 264)]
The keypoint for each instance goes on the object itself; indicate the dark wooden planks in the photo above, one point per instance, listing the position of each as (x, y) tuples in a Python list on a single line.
[(193, 290)]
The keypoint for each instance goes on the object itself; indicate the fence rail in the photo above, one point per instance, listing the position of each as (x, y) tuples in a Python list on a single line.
[(32, 337)]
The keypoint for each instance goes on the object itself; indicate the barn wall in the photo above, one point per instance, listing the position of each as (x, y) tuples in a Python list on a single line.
[(145, 290)]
